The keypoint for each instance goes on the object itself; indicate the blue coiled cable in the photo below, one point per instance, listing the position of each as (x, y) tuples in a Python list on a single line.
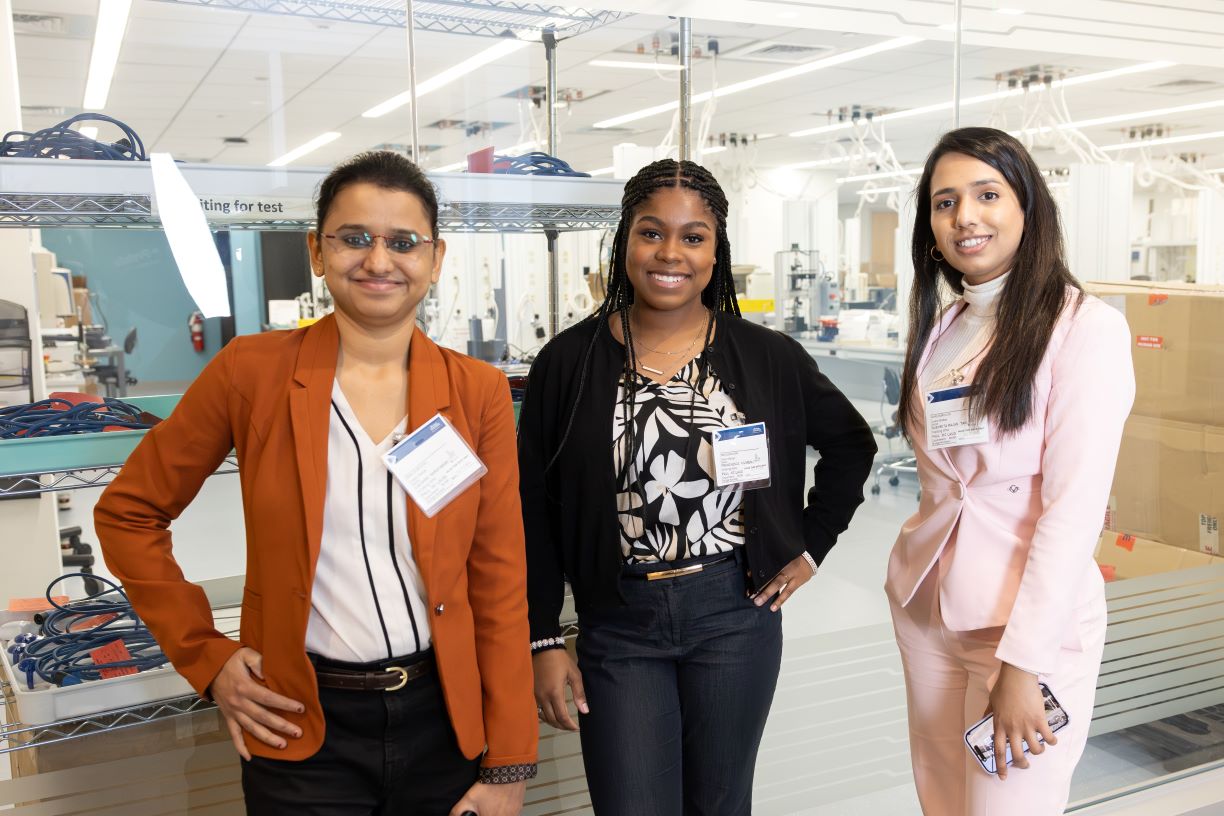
[(61, 141), (57, 417), (63, 656), (536, 164)]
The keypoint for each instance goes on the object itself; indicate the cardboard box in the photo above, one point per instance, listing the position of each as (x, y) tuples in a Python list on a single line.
[(81, 298), (1177, 333), (1121, 556), (1169, 483)]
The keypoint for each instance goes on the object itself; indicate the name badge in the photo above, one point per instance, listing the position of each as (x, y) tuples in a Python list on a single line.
[(741, 456), (948, 423), (434, 464)]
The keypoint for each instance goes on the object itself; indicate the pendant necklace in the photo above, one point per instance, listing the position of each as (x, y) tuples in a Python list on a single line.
[(685, 352)]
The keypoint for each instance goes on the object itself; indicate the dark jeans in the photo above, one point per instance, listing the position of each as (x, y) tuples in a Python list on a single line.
[(384, 753), (679, 683)]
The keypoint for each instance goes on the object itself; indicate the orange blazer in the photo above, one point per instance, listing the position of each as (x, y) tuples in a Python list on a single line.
[(268, 397)]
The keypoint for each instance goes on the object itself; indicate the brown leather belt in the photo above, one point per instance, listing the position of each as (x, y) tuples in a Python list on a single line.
[(389, 678)]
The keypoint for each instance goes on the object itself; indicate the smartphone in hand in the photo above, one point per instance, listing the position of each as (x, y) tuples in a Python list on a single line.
[(980, 736)]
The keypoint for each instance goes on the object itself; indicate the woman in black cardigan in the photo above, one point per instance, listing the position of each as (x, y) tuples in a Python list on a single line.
[(677, 582)]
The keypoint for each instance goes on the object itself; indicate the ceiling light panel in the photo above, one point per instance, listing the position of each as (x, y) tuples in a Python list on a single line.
[(775, 76), (938, 107), (311, 146), (461, 69), (108, 39), (1167, 140)]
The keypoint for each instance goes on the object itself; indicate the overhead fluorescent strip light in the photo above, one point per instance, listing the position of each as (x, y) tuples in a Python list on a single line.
[(1167, 140), (108, 39), (641, 65), (776, 76), (311, 146), (806, 165), (496, 52), (938, 107), (913, 171), (1127, 117), (872, 191)]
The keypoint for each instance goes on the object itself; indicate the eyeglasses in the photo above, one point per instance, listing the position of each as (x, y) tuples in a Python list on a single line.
[(400, 244)]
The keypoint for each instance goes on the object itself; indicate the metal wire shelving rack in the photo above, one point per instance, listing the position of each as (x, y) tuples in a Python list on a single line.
[(482, 18)]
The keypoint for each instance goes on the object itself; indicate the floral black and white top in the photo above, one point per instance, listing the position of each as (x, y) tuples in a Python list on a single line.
[(668, 505)]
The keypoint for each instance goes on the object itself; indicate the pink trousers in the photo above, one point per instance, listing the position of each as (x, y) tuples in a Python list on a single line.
[(948, 677)]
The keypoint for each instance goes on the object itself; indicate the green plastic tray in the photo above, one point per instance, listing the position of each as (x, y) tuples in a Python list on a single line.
[(52, 454)]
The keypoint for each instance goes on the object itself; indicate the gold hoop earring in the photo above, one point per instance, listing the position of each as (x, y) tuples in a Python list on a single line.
[(940, 259)]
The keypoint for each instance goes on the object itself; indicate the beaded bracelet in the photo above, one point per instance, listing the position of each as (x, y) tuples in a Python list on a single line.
[(545, 644)]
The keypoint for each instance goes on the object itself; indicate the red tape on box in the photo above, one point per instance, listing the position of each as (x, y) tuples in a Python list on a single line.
[(1126, 542), (1149, 341)]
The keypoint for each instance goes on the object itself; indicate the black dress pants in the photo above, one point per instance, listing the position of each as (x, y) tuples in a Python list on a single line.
[(384, 753)]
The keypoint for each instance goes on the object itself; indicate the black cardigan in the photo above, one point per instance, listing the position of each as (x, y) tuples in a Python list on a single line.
[(569, 513)]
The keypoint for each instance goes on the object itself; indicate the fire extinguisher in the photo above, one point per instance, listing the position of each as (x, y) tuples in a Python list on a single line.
[(196, 324)]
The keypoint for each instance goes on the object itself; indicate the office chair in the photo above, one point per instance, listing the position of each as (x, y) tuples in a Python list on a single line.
[(108, 375), (893, 464)]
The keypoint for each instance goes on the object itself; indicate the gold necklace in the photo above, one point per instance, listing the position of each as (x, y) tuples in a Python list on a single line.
[(685, 352)]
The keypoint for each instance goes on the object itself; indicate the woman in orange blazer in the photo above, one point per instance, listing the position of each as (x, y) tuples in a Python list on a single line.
[(992, 582), (346, 695)]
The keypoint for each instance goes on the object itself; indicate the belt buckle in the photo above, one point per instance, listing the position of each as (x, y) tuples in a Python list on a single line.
[(674, 573), (403, 681)]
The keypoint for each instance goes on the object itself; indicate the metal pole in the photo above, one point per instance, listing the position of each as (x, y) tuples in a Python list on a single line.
[(686, 88), (549, 38), (412, 83), (550, 86), (958, 10)]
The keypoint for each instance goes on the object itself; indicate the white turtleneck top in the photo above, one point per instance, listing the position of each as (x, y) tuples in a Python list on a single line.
[(965, 341)]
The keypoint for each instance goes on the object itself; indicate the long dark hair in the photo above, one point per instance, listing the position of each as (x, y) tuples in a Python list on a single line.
[(719, 294), (1032, 300)]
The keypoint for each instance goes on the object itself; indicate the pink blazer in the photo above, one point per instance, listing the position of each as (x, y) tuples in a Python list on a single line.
[(1011, 523)]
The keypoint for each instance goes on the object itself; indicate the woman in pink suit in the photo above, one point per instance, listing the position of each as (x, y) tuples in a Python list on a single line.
[(1016, 387)]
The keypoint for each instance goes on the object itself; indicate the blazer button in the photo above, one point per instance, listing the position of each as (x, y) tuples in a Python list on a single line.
[(439, 609), (752, 531)]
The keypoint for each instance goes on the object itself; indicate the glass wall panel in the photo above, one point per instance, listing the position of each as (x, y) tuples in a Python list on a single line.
[(816, 119)]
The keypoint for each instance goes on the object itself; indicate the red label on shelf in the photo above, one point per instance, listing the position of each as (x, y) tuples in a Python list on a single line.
[(91, 623), (1156, 299), (113, 652), (1151, 341), (1126, 542)]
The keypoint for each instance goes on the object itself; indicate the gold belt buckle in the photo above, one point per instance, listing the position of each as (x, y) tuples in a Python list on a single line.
[(403, 678), (674, 573)]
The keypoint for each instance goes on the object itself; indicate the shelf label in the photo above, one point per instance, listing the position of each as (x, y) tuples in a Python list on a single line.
[(113, 652), (222, 209)]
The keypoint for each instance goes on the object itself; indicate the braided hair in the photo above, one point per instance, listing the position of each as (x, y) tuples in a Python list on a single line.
[(719, 294)]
